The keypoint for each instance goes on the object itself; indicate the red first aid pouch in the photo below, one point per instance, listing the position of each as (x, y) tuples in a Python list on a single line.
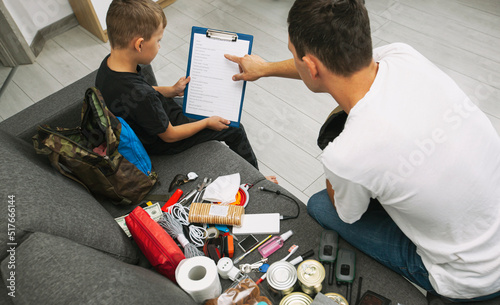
[(158, 247)]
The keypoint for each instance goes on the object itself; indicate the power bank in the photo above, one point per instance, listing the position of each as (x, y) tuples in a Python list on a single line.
[(258, 224)]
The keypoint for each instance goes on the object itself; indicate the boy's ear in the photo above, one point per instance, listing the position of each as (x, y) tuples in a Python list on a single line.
[(138, 43), (312, 64)]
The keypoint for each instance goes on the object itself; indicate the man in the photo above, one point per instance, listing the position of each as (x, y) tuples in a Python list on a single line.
[(413, 180)]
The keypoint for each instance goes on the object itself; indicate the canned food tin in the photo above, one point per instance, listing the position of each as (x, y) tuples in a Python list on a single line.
[(296, 298), (281, 277), (311, 274), (337, 298)]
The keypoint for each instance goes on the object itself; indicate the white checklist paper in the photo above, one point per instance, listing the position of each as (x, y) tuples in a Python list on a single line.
[(211, 90)]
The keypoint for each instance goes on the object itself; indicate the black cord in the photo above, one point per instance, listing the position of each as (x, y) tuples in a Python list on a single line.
[(358, 297), (278, 192)]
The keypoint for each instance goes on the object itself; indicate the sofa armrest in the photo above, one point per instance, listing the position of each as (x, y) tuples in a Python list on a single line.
[(61, 109)]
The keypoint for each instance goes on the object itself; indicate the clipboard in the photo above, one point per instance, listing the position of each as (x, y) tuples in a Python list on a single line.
[(211, 90)]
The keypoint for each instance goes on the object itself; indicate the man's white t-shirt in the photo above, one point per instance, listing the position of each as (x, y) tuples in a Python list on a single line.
[(419, 145)]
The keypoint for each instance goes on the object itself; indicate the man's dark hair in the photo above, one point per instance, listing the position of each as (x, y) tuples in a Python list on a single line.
[(337, 32)]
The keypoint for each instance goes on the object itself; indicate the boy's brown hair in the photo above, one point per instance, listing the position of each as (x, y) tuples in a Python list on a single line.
[(129, 19)]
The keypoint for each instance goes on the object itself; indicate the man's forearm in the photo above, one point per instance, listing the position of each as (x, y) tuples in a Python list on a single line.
[(285, 68), (253, 67)]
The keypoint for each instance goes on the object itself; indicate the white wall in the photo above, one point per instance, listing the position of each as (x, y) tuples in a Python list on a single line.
[(101, 9), (33, 15)]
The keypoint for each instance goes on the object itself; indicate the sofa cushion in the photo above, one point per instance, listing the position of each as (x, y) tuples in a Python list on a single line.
[(5, 299), (55, 270), (45, 201), (210, 159)]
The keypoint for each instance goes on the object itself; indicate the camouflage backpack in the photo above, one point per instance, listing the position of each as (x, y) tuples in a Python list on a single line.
[(89, 154)]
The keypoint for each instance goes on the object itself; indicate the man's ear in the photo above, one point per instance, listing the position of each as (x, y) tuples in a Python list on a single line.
[(312, 64), (138, 43)]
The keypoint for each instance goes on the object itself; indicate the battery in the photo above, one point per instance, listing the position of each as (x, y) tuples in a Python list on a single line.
[(296, 298), (337, 298), (310, 274), (281, 277)]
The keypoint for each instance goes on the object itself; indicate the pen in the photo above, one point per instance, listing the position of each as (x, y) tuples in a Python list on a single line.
[(248, 252)]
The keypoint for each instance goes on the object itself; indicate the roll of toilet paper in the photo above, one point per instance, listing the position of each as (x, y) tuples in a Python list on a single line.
[(199, 278)]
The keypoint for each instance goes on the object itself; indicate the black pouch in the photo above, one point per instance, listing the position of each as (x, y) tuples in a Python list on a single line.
[(332, 127)]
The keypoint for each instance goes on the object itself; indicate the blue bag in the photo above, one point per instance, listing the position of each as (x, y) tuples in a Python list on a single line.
[(132, 149)]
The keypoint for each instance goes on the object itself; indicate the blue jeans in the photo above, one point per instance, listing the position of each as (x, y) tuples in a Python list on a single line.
[(379, 237)]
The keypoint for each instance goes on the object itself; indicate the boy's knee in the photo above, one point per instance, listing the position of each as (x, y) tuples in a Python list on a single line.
[(239, 130)]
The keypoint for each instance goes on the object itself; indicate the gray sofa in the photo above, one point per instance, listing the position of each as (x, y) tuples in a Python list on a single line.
[(67, 248)]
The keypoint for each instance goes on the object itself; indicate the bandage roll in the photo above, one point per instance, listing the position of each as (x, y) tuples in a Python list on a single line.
[(212, 232), (198, 277)]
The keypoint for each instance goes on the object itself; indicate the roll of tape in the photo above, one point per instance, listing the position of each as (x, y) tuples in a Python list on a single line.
[(199, 278), (212, 232)]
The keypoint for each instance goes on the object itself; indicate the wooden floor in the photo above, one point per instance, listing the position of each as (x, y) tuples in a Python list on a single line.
[(282, 117)]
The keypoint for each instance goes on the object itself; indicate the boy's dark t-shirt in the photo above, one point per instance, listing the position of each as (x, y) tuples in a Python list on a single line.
[(129, 96)]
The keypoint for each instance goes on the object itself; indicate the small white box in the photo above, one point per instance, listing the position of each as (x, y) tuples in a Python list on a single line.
[(258, 224)]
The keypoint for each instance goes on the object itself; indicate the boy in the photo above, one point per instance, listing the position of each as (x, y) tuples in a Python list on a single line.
[(135, 29)]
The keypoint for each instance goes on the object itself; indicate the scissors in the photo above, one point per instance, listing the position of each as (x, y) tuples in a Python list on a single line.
[(201, 189)]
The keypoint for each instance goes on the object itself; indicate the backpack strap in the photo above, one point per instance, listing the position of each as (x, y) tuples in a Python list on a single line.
[(54, 160), (332, 127), (156, 197)]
